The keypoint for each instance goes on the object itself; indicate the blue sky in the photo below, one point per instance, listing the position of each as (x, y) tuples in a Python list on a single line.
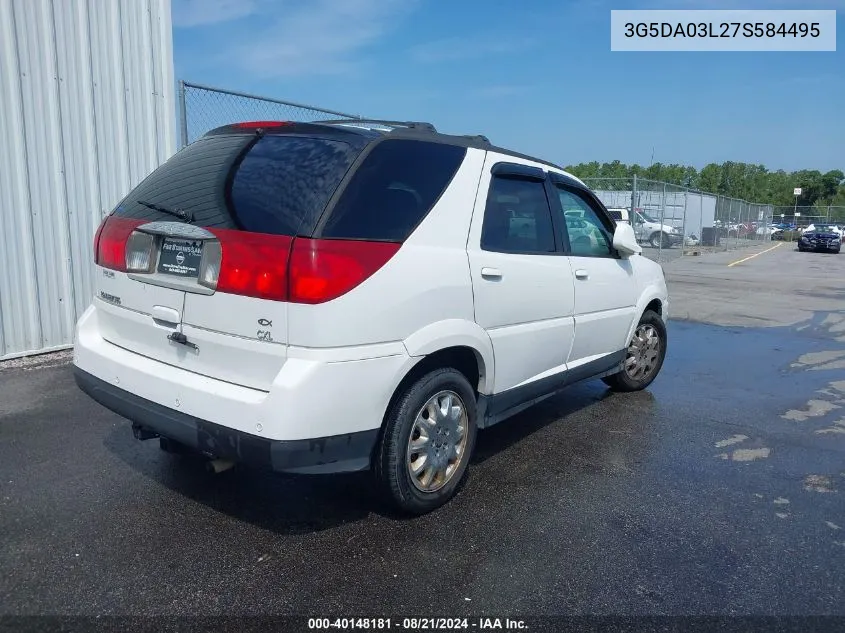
[(536, 76)]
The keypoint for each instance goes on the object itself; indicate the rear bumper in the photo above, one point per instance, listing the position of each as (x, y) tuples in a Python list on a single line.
[(340, 453), (321, 414)]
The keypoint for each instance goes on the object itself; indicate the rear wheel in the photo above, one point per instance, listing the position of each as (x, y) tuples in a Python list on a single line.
[(644, 357), (427, 442)]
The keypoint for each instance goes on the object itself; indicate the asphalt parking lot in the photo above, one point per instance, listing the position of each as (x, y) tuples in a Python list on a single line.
[(717, 491)]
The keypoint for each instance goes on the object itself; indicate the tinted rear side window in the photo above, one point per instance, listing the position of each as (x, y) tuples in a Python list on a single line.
[(284, 183), (517, 218), (281, 185), (616, 215), (393, 190)]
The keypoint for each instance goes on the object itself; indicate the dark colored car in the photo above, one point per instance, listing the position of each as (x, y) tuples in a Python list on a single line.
[(822, 238)]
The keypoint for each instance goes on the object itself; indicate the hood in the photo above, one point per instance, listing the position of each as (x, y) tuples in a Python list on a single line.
[(821, 234)]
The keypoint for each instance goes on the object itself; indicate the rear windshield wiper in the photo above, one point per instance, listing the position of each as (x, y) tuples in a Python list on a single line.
[(186, 216)]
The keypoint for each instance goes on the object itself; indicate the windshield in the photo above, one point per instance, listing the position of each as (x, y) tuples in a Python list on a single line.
[(648, 218)]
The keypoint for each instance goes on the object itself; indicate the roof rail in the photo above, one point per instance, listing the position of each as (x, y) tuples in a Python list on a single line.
[(411, 125), (480, 138)]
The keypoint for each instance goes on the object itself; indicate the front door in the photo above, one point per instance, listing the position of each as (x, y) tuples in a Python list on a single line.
[(605, 289)]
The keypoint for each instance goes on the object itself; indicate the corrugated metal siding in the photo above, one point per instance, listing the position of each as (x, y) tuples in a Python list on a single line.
[(86, 112)]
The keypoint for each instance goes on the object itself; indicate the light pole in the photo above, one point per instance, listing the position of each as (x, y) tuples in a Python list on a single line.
[(797, 193)]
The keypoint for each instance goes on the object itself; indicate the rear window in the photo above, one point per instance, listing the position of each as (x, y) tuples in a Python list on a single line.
[(284, 183), (281, 186), (393, 190)]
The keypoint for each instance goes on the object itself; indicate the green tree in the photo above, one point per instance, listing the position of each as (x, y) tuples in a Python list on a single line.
[(753, 183)]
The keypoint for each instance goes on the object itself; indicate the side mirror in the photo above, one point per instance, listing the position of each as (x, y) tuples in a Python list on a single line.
[(625, 240)]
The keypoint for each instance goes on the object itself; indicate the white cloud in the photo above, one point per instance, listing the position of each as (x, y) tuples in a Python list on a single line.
[(464, 48), (193, 13), (317, 37)]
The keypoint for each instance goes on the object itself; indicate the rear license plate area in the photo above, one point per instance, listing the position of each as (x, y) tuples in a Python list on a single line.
[(180, 257)]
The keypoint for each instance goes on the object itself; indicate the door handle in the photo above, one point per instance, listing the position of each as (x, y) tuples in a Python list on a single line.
[(491, 273), (581, 274), (164, 314)]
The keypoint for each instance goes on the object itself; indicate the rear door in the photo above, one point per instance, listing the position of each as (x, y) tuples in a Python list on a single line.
[(213, 299), (522, 283)]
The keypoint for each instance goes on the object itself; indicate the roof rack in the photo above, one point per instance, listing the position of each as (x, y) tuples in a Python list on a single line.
[(480, 138), (411, 125)]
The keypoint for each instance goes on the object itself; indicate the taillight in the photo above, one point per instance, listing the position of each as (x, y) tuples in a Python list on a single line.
[(111, 241), (97, 238), (322, 270), (139, 252), (282, 268), (250, 264)]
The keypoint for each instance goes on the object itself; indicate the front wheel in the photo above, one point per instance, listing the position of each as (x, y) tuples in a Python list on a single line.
[(428, 438), (644, 356), (658, 238)]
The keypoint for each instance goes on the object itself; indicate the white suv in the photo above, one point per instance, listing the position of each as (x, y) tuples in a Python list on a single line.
[(334, 297)]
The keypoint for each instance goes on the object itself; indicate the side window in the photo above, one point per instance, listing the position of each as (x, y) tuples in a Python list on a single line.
[(517, 218), (393, 190), (588, 236)]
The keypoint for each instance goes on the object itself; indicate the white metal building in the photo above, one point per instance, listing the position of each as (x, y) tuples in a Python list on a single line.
[(86, 112)]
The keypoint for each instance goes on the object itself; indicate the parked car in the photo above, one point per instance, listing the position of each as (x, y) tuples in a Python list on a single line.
[(652, 231), (821, 238), (822, 228), (770, 230), (619, 214), (306, 297)]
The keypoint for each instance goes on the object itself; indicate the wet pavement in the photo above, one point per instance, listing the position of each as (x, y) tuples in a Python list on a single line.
[(717, 491)]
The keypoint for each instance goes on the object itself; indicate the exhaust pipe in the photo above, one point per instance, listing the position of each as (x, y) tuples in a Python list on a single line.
[(218, 466), (141, 433)]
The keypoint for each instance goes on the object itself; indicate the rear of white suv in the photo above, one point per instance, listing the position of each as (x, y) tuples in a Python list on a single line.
[(302, 297)]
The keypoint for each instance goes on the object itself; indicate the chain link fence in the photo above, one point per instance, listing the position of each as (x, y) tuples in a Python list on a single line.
[(203, 108), (672, 221), (802, 217)]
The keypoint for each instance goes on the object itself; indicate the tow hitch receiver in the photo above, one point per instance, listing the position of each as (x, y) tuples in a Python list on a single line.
[(178, 337)]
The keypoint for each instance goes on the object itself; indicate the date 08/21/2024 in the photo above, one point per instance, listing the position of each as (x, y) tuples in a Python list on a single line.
[(416, 624)]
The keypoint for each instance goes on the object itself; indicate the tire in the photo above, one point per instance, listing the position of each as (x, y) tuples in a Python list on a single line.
[(657, 237), (631, 379), (395, 459)]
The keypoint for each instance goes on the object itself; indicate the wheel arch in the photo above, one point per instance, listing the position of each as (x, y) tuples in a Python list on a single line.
[(455, 343), (652, 300)]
